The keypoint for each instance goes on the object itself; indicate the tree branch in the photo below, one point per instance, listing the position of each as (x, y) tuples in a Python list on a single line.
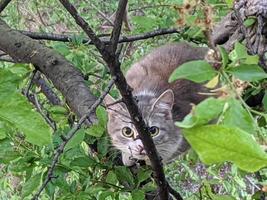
[(231, 28), (46, 90), (39, 108), (84, 25), (64, 76), (114, 64), (117, 26), (3, 4), (105, 40), (70, 134)]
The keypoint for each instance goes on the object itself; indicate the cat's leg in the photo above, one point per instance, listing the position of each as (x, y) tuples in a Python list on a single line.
[(127, 159)]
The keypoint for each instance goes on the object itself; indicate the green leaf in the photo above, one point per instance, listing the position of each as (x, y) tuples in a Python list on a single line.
[(241, 50), (230, 3), (264, 101), (3, 130), (101, 114), (143, 174), (207, 188), (249, 21), (62, 48), (218, 143), (197, 71), (18, 112), (31, 185), (248, 72), (144, 23), (23, 163), (222, 197), (190, 20), (20, 69), (102, 146), (7, 151), (95, 130), (111, 178), (224, 56), (252, 60), (84, 162), (105, 194), (138, 195), (203, 113), (124, 175), (237, 116), (76, 139), (58, 110)]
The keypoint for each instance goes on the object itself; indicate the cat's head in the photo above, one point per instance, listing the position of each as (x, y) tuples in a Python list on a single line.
[(157, 113)]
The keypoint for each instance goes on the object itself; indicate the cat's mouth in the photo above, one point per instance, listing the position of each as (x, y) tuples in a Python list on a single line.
[(140, 157)]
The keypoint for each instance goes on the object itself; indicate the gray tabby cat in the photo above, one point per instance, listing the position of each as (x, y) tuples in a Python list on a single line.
[(160, 102)]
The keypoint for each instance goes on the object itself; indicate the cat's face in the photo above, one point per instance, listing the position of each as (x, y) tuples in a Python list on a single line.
[(157, 113)]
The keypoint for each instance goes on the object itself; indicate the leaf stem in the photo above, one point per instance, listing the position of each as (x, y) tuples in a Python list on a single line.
[(248, 109)]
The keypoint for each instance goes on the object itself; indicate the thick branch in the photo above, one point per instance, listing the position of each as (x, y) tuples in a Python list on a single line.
[(65, 77), (232, 29), (3, 4)]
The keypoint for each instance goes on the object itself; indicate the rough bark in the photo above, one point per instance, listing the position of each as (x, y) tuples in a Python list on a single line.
[(65, 77), (231, 28)]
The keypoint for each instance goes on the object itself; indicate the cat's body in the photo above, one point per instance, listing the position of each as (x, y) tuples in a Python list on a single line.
[(160, 102)]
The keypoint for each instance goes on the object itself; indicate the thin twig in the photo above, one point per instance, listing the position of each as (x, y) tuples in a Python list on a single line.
[(50, 122), (3, 4), (46, 90), (102, 14), (68, 137), (34, 100), (29, 86), (115, 35), (151, 6), (105, 40), (83, 24)]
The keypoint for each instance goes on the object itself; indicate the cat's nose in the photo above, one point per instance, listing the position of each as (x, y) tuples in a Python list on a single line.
[(141, 150)]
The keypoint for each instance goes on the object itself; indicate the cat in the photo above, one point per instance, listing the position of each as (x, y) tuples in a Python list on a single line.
[(161, 103)]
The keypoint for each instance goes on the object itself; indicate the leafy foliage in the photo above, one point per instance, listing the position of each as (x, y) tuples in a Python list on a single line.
[(219, 129), (16, 112), (217, 143)]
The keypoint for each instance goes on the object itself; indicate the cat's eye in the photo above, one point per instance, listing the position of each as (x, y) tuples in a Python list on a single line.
[(127, 132), (154, 131)]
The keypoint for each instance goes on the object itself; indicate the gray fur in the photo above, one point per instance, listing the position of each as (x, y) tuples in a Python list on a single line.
[(160, 102)]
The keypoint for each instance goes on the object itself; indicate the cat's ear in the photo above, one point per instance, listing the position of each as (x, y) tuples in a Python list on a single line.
[(111, 105), (164, 103)]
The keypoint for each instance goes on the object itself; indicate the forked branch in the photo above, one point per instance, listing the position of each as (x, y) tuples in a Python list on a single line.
[(104, 39), (112, 59)]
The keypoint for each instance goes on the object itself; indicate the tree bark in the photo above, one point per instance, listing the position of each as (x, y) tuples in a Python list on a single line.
[(65, 77)]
